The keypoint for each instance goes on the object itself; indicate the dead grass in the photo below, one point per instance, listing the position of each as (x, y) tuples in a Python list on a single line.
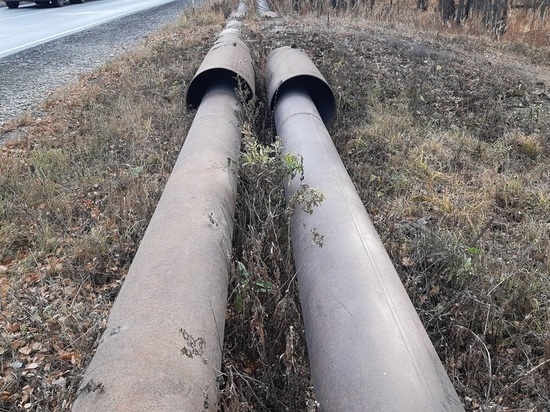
[(454, 188), (76, 193), (449, 154)]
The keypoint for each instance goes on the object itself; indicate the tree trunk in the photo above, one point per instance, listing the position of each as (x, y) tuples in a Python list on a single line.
[(543, 9), (447, 9), (487, 12), (422, 4), (460, 12), (468, 9)]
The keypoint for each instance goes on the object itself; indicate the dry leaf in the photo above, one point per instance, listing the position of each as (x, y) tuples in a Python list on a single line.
[(65, 356), (32, 278), (61, 381), (16, 365), (13, 328), (25, 350), (407, 262), (73, 356)]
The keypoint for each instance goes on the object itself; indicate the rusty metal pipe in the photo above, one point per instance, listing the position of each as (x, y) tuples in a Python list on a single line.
[(161, 350), (262, 6), (368, 349), (228, 62), (241, 11), (263, 9)]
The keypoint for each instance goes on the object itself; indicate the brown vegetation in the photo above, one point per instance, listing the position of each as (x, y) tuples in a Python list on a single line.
[(445, 131)]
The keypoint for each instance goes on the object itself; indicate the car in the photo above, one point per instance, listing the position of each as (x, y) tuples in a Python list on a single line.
[(13, 4)]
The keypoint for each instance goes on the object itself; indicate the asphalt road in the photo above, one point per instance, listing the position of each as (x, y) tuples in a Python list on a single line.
[(27, 76), (31, 24)]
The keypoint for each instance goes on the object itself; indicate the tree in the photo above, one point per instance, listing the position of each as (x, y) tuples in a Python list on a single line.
[(447, 9), (422, 4)]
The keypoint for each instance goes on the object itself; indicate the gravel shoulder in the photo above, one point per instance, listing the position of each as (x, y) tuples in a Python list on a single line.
[(28, 77)]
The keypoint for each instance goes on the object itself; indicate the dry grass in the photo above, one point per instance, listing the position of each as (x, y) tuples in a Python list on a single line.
[(76, 193), (449, 154), (453, 173)]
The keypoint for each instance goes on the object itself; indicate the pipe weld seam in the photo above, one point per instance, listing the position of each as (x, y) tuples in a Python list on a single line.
[(231, 121), (309, 114)]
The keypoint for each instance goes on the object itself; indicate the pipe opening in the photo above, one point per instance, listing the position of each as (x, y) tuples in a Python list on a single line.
[(227, 62), (209, 79), (318, 91), (289, 68)]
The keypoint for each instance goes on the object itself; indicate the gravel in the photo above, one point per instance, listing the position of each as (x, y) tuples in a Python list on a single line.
[(28, 76)]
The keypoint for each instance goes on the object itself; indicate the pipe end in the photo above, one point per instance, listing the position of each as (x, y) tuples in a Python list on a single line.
[(289, 68), (228, 62)]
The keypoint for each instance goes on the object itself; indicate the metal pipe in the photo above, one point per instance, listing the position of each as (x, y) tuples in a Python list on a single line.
[(302, 73), (367, 347), (262, 6), (228, 62), (263, 9), (161, 350), (242, 10)]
